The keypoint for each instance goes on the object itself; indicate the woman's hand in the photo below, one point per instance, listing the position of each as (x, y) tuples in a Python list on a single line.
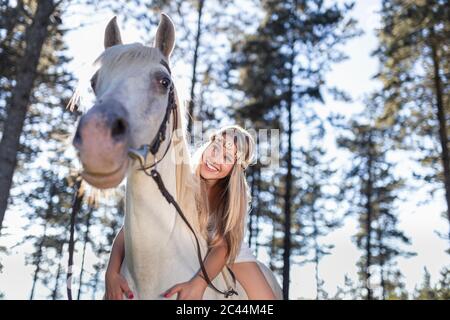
[(116, 287), (190, 290)]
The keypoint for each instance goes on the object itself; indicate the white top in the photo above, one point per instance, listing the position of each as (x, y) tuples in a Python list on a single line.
[(245, 254)]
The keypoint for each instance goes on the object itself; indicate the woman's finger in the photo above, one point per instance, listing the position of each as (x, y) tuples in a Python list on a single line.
[(118, 295), (126, 289), (172, 291)]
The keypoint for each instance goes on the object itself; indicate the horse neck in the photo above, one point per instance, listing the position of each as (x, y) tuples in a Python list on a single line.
[(144, 200), (148, 215)]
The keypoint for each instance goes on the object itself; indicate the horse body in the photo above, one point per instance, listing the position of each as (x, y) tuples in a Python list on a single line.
[(132, 98)]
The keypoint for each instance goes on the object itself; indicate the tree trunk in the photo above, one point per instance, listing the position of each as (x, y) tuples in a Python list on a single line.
[(272, 249), (191, 115), (86, 240), (369, 218), (287, 215), (48, 213), (258, 209), (287, 195), (36, 34), (440, 110), (251, 217), (38, 262), (75, 209), (95, 283), (58, 273), (382, 280), (381, 255), (316, 255)]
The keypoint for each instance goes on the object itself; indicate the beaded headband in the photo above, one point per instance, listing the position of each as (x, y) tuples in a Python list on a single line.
[(240, 158)]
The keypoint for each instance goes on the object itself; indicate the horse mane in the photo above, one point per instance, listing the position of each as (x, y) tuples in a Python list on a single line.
[(187, 182), (126, 54)]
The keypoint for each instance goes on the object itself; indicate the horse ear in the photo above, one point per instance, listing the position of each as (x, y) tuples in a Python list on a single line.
[(165, 35), (112, 34)]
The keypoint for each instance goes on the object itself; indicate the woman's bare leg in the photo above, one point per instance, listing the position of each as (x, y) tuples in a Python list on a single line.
[(252, 279)]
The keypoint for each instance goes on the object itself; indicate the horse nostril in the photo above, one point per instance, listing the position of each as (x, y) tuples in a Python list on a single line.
[(119, 128)]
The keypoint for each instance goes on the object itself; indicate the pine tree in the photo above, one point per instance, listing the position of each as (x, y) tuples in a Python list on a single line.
[(443, 286), (414, 40), (315, 219), (372, 190), (426, 290), (277, 83), (87, 239), (49, 242), (36, 34), (56, 289), (40, 245), (393, 287), (439, 291), (350, 290)]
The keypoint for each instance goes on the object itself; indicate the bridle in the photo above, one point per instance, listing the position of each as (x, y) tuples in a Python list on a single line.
[(140, 155), (150, 170)]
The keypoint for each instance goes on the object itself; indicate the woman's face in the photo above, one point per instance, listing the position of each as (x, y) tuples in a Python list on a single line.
[(218, 159)]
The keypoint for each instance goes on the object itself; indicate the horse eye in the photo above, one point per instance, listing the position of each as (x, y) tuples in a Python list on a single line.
[(165, 82)]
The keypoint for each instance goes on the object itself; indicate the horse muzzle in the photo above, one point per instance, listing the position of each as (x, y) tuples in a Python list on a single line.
[(102, 141)]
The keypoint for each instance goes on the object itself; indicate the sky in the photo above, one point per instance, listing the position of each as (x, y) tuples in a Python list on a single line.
[(420, 222)]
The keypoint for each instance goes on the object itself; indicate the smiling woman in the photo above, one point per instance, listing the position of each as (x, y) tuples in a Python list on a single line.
[(220, 166), (218, 158), (224, 200)]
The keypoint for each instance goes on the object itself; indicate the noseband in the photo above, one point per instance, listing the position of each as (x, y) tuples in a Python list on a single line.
[(141, 154)]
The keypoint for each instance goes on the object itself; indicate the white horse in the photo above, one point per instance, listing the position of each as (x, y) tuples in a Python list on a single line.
[(134, 92)]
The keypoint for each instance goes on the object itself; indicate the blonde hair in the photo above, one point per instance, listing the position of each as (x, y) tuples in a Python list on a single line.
[(228, 218)]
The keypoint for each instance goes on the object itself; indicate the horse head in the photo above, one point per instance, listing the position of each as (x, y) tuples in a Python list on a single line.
[(132, 87)]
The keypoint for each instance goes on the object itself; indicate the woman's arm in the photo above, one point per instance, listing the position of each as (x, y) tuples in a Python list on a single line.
[(214, 262), (117, 253), (116, 285), (195, 288), (253, 281)]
